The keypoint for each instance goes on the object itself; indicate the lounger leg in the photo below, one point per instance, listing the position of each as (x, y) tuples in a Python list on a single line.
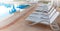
[(54, 26)]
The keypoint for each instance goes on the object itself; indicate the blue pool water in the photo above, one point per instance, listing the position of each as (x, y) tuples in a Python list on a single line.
[(23, 6)]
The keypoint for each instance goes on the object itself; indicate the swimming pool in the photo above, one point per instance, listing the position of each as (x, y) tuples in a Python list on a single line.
[(6, 10)]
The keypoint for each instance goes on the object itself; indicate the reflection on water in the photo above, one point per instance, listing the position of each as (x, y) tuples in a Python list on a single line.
[(5, 10)]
